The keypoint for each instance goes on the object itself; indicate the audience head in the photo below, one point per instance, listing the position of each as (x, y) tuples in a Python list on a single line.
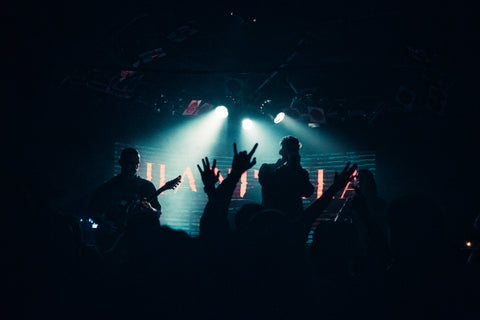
[(245, 213), (366, 182), (263, 228), (417, 228), (333, 248)]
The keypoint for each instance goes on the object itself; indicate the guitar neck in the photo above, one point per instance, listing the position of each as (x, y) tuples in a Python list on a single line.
[(153, 196), (169, 185)]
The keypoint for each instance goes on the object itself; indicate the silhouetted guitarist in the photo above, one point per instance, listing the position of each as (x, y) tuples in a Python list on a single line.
[(123, 198)]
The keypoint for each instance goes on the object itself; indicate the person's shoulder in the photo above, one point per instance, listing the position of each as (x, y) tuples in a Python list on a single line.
[(110, 182), (305, 171), (267, 166), (143, 181), (145, 185), (174, 234), (138, 178)]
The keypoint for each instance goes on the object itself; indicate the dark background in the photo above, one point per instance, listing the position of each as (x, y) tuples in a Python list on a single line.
[(60, 133)]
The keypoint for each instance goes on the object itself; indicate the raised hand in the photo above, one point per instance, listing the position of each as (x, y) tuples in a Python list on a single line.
[(209, 178), (243, 161), (344, 177), (318, 206)]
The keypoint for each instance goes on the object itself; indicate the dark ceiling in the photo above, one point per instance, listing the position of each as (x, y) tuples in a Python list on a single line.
[(90, 64), (354, 54)]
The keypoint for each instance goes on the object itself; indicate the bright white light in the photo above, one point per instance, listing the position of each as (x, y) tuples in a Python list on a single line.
[(221, 112), (279, 118), (247, 124)]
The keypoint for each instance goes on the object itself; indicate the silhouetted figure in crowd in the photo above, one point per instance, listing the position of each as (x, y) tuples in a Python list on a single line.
[(367, 201), (42, 260), (473, 257), (214, 225), (111, 201), (217, 236), (366, 210), (350, 254), (333, 254), (255, 268), (423, 282), (285, 182), (259, 267)]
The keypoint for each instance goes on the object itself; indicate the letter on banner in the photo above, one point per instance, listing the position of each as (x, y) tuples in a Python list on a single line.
[(347, 187), (191, 180), (243, 184), (149, 170), (319, 182), (162, 175)]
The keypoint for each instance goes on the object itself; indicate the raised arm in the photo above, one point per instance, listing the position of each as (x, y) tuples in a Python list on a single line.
[(209, 178), (214, 223), (318, 206)]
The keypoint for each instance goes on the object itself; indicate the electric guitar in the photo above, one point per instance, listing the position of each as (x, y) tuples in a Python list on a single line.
[(134, 206), (115, 231)]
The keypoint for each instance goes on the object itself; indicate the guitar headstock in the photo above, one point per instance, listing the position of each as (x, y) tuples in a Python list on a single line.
[(172, 184)]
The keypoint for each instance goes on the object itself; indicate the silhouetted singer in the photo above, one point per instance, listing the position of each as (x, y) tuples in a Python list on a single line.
[(285, 182)]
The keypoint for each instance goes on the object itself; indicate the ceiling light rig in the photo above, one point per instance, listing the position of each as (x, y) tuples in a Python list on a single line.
[(160, 104), (264, 105), (305, 106), (198, 107), (242, 19), (279, 118)]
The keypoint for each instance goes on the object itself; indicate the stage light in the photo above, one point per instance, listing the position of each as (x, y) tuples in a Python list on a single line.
[(221, 112), (247, 124), (279, 118)]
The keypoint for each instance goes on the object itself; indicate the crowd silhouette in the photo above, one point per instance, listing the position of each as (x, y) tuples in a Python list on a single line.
[(377, 259)]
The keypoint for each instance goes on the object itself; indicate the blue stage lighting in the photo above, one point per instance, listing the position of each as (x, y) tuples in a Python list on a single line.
[(247, 124), (221, 112), (279, 118)]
